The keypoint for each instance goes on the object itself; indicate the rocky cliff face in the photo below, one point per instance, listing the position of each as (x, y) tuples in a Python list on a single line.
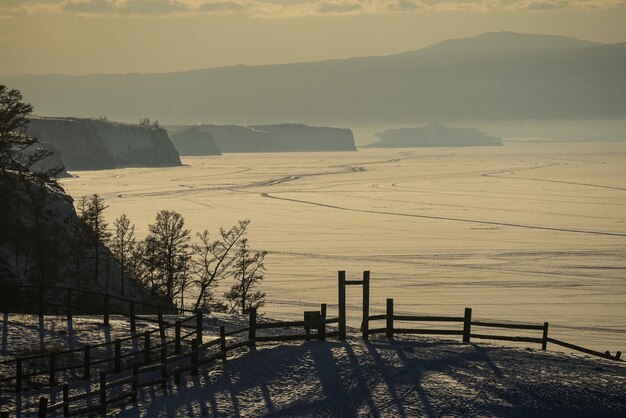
[(39, 241), (275, 138), (194, 142), (299, 137), (88, 144)]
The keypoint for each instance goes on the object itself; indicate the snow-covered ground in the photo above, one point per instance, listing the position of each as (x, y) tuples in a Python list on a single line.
[(525, 232), (408, 377)]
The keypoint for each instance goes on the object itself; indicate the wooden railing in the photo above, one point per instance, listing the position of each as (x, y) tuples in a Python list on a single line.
[(468, 326), (45, 369), (125, 389)]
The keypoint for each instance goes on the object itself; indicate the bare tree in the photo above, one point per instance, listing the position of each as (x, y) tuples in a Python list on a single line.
[(123, 246), (212, 261), (248, 271), (167, 253)]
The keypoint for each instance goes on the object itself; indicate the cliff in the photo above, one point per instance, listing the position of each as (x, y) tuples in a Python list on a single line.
[(40, 242), (194, 142), (434, 135), (274, 138), (299, 137), (88, 144)]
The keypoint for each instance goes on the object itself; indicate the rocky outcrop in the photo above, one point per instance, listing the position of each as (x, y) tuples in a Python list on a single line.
[(194, 142), (40, 242), (274, 138), (88, 144), (434, 135)]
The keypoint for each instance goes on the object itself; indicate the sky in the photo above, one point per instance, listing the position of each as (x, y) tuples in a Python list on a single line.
[(155, 36)]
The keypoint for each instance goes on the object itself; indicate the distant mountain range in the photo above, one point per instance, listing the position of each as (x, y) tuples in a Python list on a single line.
[(494, 76)]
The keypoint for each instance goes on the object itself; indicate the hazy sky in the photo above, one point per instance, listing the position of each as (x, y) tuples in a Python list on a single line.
[(121, 36)]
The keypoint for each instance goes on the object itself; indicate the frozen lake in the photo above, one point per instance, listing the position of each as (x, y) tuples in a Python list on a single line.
[(526, 232)]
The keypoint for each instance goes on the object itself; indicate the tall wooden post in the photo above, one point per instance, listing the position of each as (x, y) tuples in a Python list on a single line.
[(66, 400), (53, 368), (342, 305), (544, 339), (467, 325), (366, 305), (252, 328), (146, 347), (87, 366), (389, 330), (135, 383), (177, 337), (118, 355), (43, 407), (322, 329), (103, 392)]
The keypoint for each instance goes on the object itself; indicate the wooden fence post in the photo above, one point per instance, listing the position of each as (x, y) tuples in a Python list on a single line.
[(544, 339), (389, 330), (618, 355), (252, 329), (342, 305), (177, 337), (161, 326), (322, 329), (43, 407), (66, 400), (133, 325), (135, 383), (223, 341), (366, 305), (53, 378), (146, 347), (105, 319), (163, 368), (199, 326), (87, 362), (18, 375), (118, 355), (103, 392), (68, 301), (467, 325), (194, 356)]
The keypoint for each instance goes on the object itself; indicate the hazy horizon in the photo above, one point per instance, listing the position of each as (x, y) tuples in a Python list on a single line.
[(136, 36)]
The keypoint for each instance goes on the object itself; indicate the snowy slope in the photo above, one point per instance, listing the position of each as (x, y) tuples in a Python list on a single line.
[(402, 378)]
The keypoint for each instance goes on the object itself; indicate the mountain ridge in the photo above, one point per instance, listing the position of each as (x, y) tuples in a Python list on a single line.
[(509, 84)]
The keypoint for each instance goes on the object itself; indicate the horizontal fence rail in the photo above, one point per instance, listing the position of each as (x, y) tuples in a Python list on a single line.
[(121, 390), (47, 369), (390, 330)]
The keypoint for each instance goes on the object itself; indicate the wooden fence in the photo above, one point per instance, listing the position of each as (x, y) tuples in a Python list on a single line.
[(467, 330), (124, 389), (47, 368)]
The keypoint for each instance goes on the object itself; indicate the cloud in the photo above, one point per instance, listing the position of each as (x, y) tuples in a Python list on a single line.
[(285, 8)]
